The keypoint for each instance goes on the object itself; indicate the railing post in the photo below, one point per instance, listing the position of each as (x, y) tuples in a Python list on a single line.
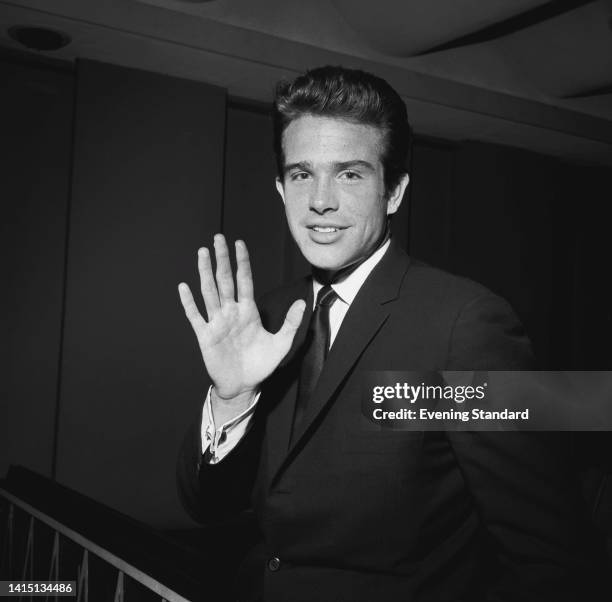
[(54, 566), (119, 588), (29, 555), (83, 578)]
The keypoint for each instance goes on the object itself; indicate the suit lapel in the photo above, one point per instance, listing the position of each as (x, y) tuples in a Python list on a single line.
[(362, 322)]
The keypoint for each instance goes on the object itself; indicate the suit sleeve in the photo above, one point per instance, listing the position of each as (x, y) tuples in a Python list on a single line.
[(521, 484), (214, 492)]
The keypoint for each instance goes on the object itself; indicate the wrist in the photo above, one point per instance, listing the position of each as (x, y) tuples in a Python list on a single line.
[(230, 407)]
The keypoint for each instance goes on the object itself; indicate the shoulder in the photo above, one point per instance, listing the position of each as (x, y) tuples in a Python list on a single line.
[(422, 283), (446, 294), (440, 287), (481, 328)]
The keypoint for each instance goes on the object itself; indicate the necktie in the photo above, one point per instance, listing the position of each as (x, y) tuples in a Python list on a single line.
[(317, 346)]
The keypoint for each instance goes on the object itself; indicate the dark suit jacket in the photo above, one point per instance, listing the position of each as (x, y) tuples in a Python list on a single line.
[(355, 515)]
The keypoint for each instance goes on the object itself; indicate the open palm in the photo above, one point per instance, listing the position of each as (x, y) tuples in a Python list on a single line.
[(239, 353)]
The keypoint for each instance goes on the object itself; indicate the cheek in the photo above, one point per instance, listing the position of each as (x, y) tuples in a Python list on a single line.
[(294, 216), (291, 208), (368, 215), (295, 203)]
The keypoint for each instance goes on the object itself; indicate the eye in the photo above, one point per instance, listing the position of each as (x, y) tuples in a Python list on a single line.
[(299, 176), (350, 175)]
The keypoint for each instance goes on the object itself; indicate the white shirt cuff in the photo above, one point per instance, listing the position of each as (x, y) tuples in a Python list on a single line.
[(221, 441)]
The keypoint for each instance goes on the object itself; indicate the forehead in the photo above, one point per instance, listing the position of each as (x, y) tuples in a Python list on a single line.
[(322, 139)]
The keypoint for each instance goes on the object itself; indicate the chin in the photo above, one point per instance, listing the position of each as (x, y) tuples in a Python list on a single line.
[(324, 259)]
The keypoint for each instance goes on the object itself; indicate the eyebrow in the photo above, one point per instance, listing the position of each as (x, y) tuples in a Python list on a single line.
[(338, 165)]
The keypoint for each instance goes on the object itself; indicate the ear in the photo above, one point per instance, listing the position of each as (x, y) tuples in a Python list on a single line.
[(280, 187), (394, 199)]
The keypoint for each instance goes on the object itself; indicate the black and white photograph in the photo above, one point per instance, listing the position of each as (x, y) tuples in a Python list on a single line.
[(306, 301)]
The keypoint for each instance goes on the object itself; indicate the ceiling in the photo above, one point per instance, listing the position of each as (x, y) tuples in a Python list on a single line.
[(526, 73)]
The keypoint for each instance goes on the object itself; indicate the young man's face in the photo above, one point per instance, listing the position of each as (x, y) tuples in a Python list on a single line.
[(333, 189)]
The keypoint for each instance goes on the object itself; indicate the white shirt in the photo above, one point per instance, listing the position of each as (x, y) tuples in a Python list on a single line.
[(224, 438)]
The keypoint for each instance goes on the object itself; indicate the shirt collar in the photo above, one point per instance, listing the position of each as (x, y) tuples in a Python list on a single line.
[(347, 288)]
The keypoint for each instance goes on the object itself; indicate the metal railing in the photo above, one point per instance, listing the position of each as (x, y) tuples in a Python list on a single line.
[(23, 569)]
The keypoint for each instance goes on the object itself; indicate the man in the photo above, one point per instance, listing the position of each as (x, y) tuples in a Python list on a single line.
[(346, 513)]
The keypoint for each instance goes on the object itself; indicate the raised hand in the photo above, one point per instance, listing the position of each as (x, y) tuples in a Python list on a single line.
[(239, 353)]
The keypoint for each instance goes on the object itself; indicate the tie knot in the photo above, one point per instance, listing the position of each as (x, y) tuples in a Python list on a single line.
[(326, 296)]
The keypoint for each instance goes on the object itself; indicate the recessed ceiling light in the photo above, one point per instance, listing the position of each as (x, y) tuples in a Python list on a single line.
[(39, 38)]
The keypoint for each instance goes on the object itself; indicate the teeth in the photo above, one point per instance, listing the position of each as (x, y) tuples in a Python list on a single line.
[(321, 229)]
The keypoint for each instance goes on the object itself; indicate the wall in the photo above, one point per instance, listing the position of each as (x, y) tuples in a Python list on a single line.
[(138, 173), (35, 154), (252, 209), (146, 194)]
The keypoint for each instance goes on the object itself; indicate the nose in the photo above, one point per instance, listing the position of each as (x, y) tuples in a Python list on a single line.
[(323, 197)]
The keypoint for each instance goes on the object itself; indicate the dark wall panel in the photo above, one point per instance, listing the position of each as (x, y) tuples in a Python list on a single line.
[(253, 210), (430, 196), (147, 192), (506, 208), (36, 124), (591, 285)]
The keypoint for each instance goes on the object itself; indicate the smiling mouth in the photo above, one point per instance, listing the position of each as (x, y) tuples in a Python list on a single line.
[(325, 229)]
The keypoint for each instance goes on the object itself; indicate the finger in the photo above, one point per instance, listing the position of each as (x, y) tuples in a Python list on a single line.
[(293, 319), (207, 283), (244, 276), (225, 280), (191, 309)]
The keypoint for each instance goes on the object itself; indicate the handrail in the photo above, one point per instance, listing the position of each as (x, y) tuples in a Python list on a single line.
[(102, 553), (180, 561)]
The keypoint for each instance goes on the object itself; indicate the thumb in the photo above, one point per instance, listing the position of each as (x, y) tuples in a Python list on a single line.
[(293, 319)]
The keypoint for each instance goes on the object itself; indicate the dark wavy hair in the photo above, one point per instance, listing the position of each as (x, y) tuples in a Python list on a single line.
[(353, 95)]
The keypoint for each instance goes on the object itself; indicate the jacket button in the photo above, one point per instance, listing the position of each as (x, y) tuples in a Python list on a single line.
[(274, 564)]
